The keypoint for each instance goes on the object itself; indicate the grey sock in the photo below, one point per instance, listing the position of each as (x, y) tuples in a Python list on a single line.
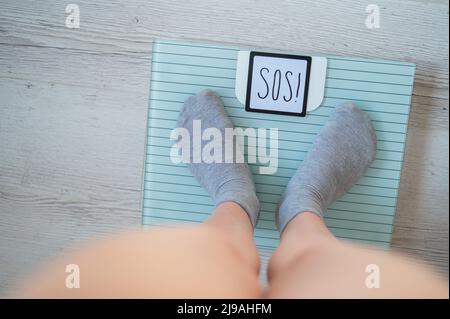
[(340, 155), (224, 182)]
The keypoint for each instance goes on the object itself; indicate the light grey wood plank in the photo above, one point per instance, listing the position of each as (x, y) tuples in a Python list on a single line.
[(73, 106)]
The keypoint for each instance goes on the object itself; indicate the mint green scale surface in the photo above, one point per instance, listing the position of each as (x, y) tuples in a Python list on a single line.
[(381, 88)]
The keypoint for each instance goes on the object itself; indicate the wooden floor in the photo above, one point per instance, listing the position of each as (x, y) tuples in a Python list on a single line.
[(73, 106)]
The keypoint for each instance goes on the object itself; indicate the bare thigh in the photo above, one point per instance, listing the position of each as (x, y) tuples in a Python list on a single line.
[(188, 262)]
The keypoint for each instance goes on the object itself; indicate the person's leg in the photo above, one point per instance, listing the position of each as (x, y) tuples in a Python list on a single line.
[(231, 220), (217, 259), (310, 262)]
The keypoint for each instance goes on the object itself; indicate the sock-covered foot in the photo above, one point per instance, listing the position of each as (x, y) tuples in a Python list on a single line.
[(224, 182), (340, 155)]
